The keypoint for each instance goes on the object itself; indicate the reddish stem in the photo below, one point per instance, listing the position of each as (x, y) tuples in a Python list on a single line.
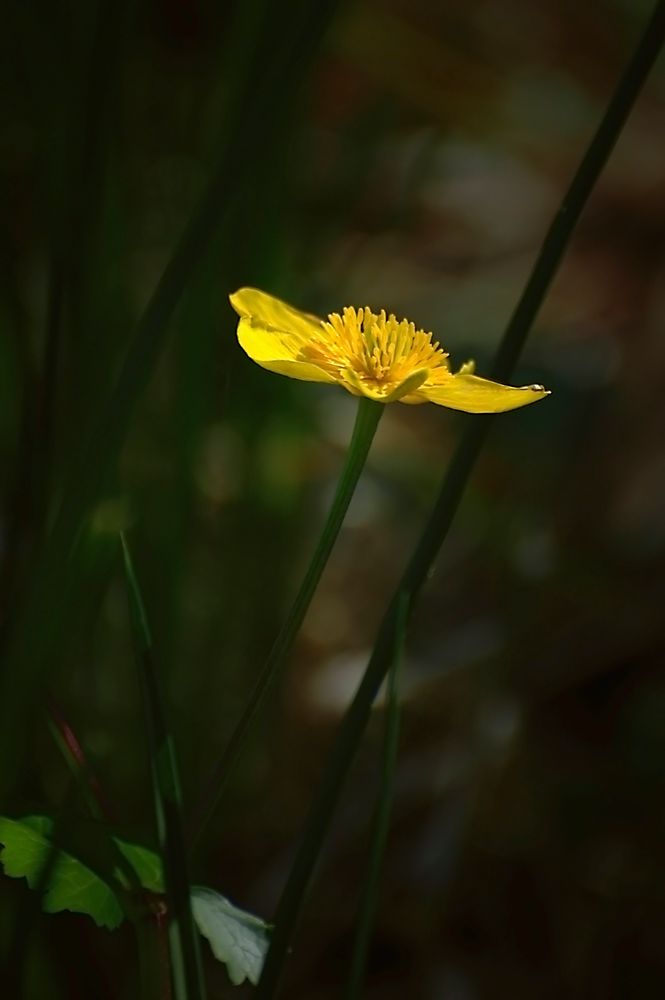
[(78, 755)]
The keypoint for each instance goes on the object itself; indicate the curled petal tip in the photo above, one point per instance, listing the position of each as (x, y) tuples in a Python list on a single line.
[(236, 300)]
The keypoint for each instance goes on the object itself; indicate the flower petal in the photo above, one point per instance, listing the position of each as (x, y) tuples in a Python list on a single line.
[(271, 314), (408, 385), (360, 387), (479, 395), (273, 334), (277, 354)]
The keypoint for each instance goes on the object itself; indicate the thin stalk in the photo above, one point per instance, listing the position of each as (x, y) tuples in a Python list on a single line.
[(381, 823), (353, 725), (186, 968), (368, 415)]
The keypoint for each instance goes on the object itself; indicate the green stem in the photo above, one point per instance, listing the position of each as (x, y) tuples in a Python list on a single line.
[(186, 968), (381, 823), (353, 725), (367, 419)]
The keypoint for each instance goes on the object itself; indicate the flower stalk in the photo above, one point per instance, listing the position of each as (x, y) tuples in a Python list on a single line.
[(367, 419)]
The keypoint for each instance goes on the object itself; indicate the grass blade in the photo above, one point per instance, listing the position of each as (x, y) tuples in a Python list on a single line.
[(183, 937), (435, 531), (381, 823)]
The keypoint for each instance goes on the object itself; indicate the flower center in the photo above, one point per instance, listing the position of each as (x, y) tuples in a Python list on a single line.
[(377, 349)]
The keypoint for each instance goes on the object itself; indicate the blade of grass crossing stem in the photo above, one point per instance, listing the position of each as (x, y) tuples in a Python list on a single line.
[(353, 725), (287, 39), (368, 415), (183, 936), (381, 823)]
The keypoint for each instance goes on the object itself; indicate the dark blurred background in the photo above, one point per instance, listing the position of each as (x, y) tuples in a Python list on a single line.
[(412, 162)]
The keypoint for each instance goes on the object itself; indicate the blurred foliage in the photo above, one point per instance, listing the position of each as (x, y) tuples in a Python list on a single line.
[(414, 167)]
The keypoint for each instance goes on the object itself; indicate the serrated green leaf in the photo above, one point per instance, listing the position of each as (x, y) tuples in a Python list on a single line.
[(237, 938), (146, 864), (70, 884)]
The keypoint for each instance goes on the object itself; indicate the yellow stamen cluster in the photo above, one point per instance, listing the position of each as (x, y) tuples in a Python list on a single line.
[(375, 349), (369, 354)]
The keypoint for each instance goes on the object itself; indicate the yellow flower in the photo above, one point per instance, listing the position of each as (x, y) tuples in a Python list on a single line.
[(369, 354)]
